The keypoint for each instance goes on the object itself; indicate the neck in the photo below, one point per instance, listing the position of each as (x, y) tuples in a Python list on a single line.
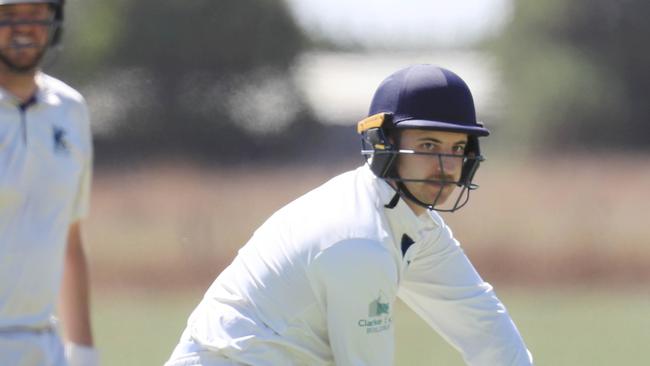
[(21, 85), (417, 209)]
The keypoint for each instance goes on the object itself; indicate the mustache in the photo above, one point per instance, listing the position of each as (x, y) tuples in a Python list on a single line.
[(442, 178), (435, 179)]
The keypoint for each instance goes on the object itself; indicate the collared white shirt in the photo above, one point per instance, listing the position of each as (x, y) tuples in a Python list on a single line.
[(45, 173), (317, 282), (440, 284)]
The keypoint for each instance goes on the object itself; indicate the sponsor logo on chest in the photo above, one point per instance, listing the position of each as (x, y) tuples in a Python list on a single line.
[(60, 142)]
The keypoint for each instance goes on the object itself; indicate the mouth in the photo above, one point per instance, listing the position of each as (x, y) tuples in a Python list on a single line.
[(441, 181), (437, 187), (22, 41)]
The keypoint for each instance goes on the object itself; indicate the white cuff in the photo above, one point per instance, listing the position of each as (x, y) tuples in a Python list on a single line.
[(80, 355)]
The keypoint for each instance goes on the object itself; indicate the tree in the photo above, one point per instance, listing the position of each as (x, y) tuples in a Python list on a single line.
[(201, 79), (576, 74)]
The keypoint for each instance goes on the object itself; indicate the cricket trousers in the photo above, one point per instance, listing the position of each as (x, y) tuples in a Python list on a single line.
[(28, 347)]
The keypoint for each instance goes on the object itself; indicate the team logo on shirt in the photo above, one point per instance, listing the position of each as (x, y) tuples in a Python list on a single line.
[(60, 142), (379, 317)]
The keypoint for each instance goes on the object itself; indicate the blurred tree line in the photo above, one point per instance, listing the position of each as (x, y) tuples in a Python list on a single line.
[(212, 80), (576, 74), (202, 79)]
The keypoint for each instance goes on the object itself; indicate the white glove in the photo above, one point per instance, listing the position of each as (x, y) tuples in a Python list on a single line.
[(80, 355)]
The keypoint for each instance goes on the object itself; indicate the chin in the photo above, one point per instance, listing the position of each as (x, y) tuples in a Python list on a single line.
[(430, 199), (441, 201), (442, 198)]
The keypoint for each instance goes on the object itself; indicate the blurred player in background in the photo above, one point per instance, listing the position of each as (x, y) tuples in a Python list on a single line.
[(317, 282), (45, 172)]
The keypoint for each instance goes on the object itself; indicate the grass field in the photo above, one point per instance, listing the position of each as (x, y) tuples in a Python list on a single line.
[(571, 327), (564, 242)]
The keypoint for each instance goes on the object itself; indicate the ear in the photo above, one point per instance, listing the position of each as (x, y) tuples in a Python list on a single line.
[(393, 136), (474, 158), (472, 148)]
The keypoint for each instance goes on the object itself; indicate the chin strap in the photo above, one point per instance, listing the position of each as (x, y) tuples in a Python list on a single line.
[(402, 191), (393, 201)]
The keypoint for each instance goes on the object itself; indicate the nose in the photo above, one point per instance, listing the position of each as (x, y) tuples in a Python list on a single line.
[(19, 24), (448, 164)]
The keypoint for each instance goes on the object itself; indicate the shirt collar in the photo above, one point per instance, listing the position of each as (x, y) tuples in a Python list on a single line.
[(43, 93), (7, 97), (401, 218)]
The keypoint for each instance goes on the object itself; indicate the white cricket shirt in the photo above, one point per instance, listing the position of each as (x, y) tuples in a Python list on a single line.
[(45, 172), (317, 282)]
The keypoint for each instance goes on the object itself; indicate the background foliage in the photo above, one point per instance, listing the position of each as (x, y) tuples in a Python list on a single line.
[(576, 75), (212, 81)]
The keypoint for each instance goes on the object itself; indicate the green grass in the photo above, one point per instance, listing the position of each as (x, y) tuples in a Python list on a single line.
[(578, 327), (139, 328)]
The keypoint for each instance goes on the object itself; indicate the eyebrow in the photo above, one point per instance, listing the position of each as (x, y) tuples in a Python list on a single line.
[(459, 142)]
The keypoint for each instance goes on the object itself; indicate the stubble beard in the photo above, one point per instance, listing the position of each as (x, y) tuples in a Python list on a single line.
[(27, 68), (431, 193)]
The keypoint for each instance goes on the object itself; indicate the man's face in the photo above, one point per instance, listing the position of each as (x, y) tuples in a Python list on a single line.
[(443, 169), (24, 34)]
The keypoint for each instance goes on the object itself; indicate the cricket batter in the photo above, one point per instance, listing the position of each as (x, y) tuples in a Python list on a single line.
[(45, 172), (317, 282)]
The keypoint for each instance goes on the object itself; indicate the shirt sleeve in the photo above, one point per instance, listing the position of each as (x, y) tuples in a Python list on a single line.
[(82, 199), (442, 287), (357, 283)]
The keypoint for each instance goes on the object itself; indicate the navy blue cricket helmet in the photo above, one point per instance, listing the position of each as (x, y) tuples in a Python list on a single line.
[(421, 97)]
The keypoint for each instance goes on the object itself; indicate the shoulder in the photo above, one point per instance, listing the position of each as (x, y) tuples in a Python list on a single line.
[(347, 204), (342, 208), (67, 107), (53, 87)]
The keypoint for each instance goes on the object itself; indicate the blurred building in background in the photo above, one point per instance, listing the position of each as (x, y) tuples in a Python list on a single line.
[(241, 81), (339, 85)]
